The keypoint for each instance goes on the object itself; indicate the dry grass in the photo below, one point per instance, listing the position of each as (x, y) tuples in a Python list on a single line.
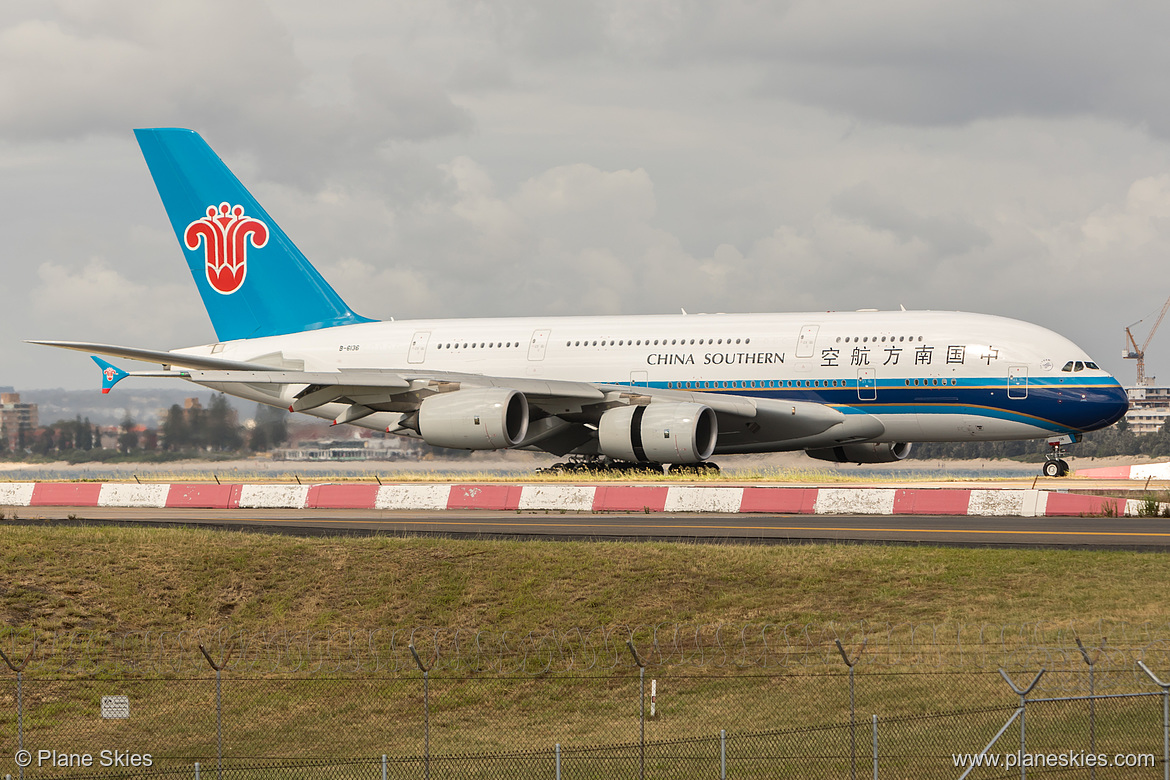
[(166, 579)]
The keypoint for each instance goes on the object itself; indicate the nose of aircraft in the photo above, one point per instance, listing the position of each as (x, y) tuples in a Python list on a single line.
[(1104, 405)]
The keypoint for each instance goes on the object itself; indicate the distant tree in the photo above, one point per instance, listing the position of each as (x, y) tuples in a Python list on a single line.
[(46, 442), (128, 440), (223, 433), (258, 441), (86, 439), (271, 428), (3, 437), (176, 433), (196, 417)]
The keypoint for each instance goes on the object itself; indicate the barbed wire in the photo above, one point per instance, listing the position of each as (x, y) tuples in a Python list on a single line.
[(680, 647)]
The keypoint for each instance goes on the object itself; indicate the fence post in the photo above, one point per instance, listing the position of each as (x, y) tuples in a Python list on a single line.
[(1165, 719), (1092, 662), (19, 698), (642, 715), (558, 761), (218, 708), (852, 707), (1023, 713), (383, 766), (426, 713), (875, 749), (722, 754)]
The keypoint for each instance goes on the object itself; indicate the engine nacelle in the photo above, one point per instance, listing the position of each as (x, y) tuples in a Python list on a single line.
[(659, 433), (486, 419), (872, 452)]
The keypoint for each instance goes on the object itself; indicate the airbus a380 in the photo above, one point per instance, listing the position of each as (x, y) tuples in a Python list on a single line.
[(605, 391)]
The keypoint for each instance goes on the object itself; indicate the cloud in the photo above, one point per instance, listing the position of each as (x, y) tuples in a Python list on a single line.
[(464, 158), (138, 313), (919, 62), (227, 68), (945, 235)]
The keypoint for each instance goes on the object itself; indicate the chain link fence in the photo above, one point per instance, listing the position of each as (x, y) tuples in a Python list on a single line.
[(584, 650), (646, 712)]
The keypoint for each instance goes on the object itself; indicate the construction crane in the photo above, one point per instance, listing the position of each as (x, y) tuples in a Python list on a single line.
[(1133, 352)]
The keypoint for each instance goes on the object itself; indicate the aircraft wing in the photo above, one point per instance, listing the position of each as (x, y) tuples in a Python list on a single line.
[(390, 382), (157, 356), (566, 411)]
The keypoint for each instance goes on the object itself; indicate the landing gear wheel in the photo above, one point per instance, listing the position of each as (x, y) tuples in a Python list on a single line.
[(1055, 465)]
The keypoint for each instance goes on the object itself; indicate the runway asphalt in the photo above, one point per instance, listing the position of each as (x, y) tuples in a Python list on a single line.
[(1152, 534)]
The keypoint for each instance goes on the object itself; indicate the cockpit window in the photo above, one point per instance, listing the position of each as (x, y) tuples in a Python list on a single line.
[(1067, 366), (1079, 366), (1091, 365)]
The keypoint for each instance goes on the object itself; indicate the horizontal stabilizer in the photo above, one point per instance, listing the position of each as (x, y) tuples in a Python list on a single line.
[(111, 374)]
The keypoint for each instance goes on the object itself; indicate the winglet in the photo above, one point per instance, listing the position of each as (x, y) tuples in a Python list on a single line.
[(111, 374)]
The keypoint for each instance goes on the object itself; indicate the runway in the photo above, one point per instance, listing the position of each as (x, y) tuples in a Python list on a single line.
[(1130, 533)]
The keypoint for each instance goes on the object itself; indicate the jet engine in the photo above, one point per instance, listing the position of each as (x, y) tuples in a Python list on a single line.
[(872, 452), (485, 419), (659, 433)]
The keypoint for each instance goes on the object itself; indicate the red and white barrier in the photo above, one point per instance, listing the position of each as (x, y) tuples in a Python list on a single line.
[(1141, 471), (572, 498)]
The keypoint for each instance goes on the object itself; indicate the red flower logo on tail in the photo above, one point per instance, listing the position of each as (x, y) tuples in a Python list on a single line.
[(225, 233)]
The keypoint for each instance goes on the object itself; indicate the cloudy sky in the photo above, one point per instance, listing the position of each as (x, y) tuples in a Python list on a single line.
[(450, 158)]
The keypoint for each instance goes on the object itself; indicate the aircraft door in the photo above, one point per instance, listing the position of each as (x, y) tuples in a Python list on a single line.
[(418, 347), (1018, 382), (537, 345), (808, 338), (866, 385)]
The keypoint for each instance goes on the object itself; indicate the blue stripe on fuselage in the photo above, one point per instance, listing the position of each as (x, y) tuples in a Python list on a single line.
[(1061, 405)]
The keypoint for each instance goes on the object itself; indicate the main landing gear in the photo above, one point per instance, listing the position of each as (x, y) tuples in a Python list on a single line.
[(596, 464), (1054, 464), (599, 464)]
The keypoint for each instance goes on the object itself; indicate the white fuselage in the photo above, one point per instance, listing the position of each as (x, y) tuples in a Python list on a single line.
[(927, 376)]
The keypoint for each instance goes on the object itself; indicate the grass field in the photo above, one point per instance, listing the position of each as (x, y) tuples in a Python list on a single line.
[(168, 580), (124, 579)]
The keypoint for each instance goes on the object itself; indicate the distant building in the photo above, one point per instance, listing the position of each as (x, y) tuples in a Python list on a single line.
[(361, 448), (16, 417), (1149, 408)]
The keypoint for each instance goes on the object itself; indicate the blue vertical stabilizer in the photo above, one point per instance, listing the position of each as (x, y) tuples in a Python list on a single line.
[(253, 279)]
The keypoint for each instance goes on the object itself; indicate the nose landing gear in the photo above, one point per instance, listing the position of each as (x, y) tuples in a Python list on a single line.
[(1054, 464), (1055, 467)]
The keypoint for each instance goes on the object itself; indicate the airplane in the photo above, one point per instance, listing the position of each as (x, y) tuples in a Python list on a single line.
[(619, 392)]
